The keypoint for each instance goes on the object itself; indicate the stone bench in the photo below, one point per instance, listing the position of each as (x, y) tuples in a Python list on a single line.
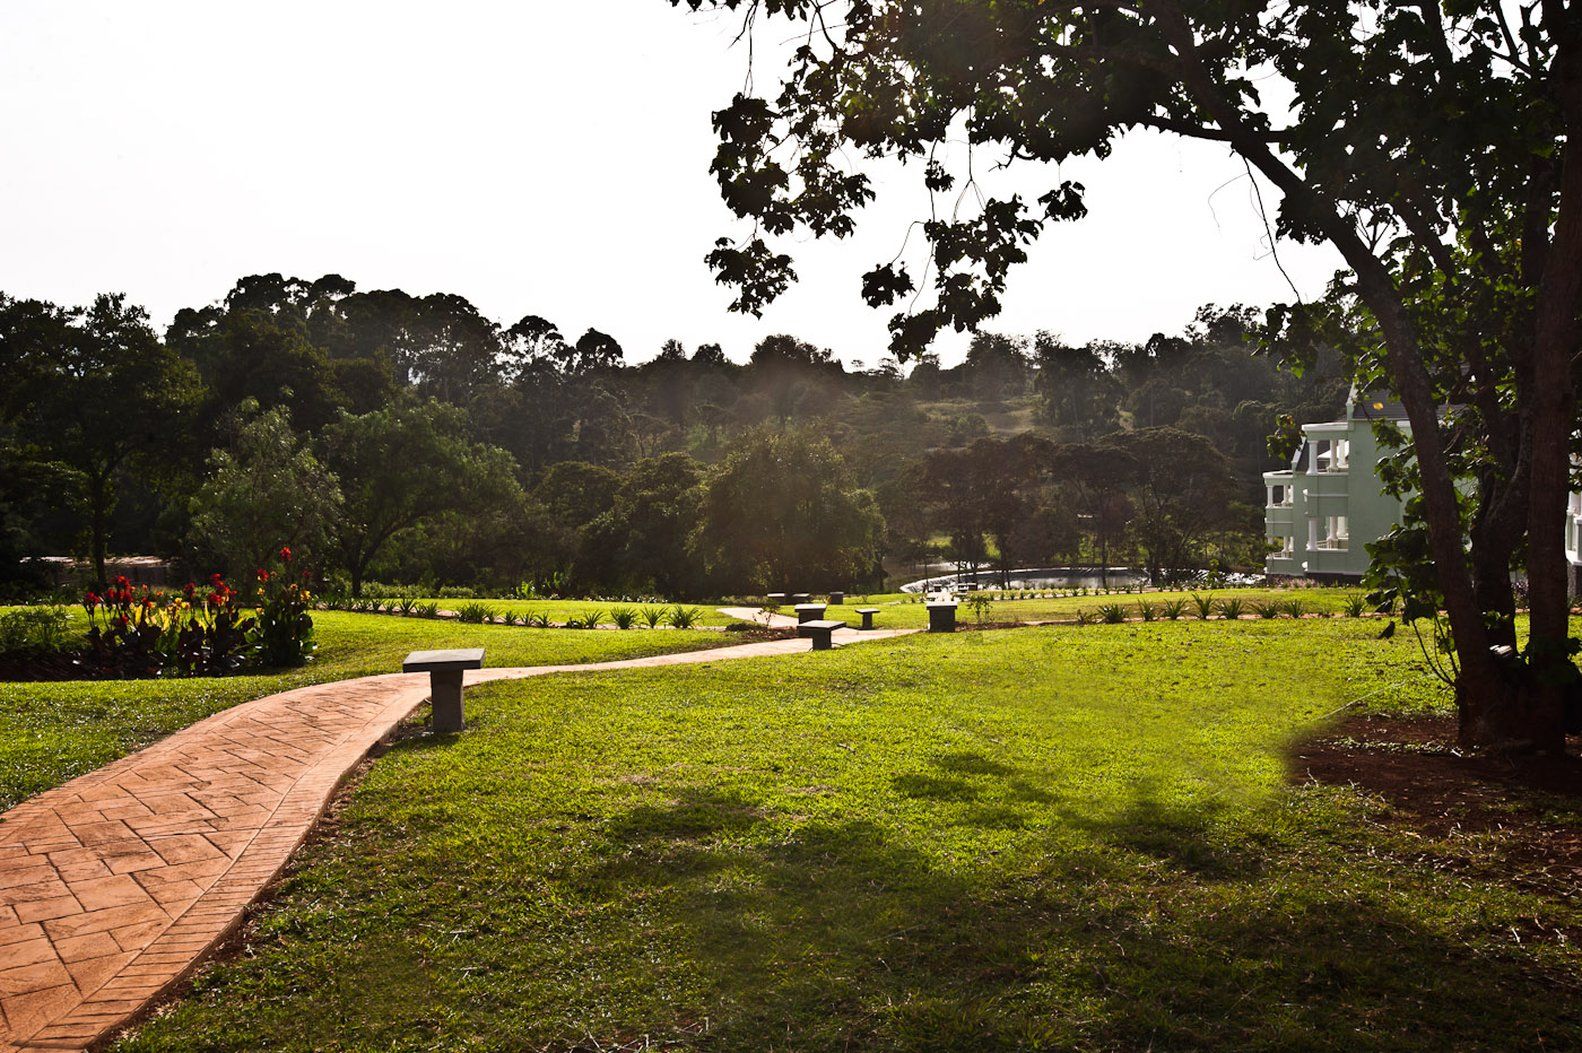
[(867, 616), (809, 612), (821, 632), (837, 599), (799, 597), (776, 599), (444, 669), (942, 617)]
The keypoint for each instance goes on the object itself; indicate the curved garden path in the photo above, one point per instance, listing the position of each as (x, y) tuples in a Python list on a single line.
[(115, 885)]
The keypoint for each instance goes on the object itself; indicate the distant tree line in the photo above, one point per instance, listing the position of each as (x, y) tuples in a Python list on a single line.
[(396, 437)]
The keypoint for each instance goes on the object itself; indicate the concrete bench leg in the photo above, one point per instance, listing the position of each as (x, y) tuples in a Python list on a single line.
[(444, 687), (867, 619), (823, 641)]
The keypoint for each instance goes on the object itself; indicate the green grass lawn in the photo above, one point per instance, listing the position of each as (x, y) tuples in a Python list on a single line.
[(1055, 838), (901, 612), (51, 732), (559, 610)]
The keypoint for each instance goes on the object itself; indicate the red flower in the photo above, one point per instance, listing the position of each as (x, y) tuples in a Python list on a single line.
[(263, 575), (285, 553), (217, 598), (189, 590), (91, 600)]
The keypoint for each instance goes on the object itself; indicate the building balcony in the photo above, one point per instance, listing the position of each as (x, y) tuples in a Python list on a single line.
[(1328, 484), (1284, 564)]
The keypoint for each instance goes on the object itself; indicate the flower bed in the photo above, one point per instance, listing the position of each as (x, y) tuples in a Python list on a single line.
[(212, 630)]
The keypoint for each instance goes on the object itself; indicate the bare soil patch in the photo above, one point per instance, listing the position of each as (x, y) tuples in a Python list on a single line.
[(1435, 790)]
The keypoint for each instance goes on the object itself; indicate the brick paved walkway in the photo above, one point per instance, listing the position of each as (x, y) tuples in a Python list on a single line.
[(114, 885)]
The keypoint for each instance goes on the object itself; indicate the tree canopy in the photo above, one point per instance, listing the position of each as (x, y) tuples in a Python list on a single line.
[(1428, 143)]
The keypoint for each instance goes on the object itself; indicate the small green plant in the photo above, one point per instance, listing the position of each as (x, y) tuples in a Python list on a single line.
[(540, 620), (1232, 608), (1173, 609), (1148, 611), (1084, 617), (592, 619), (1112, 613), (980, 605), (1294, 607), (1266, 609), (1204, 602), (510, 618), (1354, 604), (37, 630), (684, 617), (472, 613), (623, 617), (407, 606), (652, 616)]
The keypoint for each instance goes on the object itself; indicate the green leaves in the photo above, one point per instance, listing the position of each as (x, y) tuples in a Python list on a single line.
[(759, 274)]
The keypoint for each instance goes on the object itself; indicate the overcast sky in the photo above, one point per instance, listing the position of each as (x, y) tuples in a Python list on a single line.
[(535, 158)]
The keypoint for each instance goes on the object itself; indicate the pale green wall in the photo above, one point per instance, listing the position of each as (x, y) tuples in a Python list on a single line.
[(1354, 493)]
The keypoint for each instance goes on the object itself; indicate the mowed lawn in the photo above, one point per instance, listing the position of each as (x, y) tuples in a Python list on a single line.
[(909, 612), (54, 731), (558, 611), (1054, 838)]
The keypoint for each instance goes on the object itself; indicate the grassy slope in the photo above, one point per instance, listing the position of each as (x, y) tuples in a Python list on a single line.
[(1042, 838), (50, 732)]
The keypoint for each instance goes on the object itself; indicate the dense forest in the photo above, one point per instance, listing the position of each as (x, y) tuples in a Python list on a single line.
[(392, 437)]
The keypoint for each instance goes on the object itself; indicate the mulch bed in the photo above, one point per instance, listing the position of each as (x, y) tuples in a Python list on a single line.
[(1435, 790)]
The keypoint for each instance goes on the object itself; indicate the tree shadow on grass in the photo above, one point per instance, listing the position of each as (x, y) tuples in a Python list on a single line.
[(1152, 932)]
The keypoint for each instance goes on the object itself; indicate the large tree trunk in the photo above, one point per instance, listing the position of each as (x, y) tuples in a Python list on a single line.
[(98, 527), (1549, 419)]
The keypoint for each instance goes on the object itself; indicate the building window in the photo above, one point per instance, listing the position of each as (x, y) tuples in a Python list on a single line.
[(1282, 547), (1279, 496)]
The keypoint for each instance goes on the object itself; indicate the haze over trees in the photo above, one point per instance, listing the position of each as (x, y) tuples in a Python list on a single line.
[(1428, 143)]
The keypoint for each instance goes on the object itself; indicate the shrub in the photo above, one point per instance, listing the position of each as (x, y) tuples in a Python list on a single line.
[(34, 630), (456, 592), (428, 610), (283, 629), (1112, 613), (1354, 604), (623, 617), (1232, 608), (1173, 609), (1204, 603), (1147, 610), (684, 617), (592, 619), (1294, 607), (1266, 609), (1083, 617), (540, 620), (472, 613), (652, 616), (980, 605), (510, 617)]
